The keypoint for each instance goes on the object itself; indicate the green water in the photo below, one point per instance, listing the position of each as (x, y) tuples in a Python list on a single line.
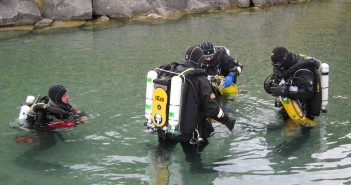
[(104, 69)]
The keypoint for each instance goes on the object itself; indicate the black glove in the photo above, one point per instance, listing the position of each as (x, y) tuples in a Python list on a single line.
[(228, 122), (279, 90)]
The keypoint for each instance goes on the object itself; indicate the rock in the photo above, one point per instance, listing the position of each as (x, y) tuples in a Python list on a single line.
[(112, 8), (141, 7), (68, 9), (154, 16), (244, 3), (103, 19), (43, 23), (15, 12), (194, 5)]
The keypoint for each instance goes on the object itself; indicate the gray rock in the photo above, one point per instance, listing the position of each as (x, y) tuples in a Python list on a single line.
[(141, 7), (43, 23), (112, 8), (154, 16), (194, 5), (243, 3), (175, 4), (259, 2), (216, 3), (68, 9), (15, 12)]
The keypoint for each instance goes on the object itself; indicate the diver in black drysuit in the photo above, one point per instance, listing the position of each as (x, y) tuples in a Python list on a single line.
[(220, 63), (50, 108), (200, 102), (302, 80)]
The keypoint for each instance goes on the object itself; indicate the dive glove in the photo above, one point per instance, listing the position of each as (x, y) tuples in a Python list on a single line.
[(230, 123), (280, 90), (227, 121), (228, 80)]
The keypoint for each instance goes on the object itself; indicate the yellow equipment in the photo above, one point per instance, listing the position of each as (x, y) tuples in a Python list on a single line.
[(217, 82), (296, 113), (159, 107)]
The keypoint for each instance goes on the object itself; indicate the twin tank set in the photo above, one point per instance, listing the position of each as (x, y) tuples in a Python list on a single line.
[(163, 105)]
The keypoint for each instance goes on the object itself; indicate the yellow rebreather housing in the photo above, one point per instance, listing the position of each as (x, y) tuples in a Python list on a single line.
[(231, 90), (295, 112), (159, 107)]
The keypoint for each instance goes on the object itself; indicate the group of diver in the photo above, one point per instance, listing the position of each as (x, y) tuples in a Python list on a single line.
[(182, 99), (182, 102)]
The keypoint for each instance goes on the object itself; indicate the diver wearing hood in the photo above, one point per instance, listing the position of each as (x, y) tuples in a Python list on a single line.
[(54, 107), (302, 79), (200, 100), (218, 62)]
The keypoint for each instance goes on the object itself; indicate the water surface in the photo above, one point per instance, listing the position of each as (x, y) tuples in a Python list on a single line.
[(104, 70)]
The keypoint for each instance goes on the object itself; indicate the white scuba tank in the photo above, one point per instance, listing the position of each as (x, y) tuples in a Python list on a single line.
[(23, 113), (22, 117), (324, 85), (175, 101), (30, 100), (151, 75)]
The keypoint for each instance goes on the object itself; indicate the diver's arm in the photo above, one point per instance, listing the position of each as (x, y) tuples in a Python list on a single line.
[(208, 101), (57, 111), (232, 66), (294, 92)]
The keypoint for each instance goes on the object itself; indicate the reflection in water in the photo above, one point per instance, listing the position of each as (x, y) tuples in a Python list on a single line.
[(42, 141), (294, 136), (164, 166)]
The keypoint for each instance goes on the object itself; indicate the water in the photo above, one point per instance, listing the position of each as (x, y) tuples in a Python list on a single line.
[(104, 69)]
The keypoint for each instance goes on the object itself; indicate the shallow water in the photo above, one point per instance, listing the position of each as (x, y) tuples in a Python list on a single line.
[(104, 69)]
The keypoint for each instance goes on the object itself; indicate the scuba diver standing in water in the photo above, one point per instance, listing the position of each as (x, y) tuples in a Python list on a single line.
[(179, 101), (217, 61), (298, 77)]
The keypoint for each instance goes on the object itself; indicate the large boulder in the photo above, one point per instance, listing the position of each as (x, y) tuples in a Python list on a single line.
[(67, 9), (164, 7), (16, 12), (112, 8), (175, 5), (194, 5), (216, 3), (141, 7), (243, 3)]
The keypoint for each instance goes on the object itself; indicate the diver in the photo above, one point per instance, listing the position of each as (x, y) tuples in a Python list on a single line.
[(219, 62), (199, 101), (296, 76), (53, 111)]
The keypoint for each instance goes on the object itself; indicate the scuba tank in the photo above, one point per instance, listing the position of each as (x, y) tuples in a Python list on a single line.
[(25, 108), (151, 76), (175, 101), (324, 72)]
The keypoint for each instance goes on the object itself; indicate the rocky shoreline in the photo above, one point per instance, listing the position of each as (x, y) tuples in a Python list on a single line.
[(36, 14)]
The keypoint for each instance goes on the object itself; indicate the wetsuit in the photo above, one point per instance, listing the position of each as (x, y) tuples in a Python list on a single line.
[(303, 82), (45, 111), (222, 64), (200, 103)]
